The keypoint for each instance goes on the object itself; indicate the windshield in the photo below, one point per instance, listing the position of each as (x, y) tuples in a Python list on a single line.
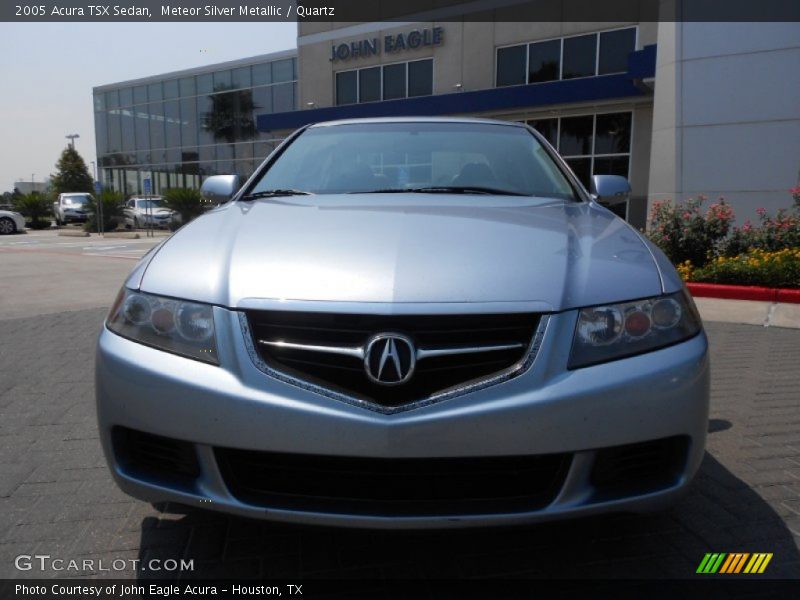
[(369, 157), (149, 204), (76, 200)]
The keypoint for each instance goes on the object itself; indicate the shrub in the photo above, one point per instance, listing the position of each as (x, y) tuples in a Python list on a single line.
[(111, 201), (187, 202), (45, 224), (772, 233), (684, 232), (35, 207), (779, 268)]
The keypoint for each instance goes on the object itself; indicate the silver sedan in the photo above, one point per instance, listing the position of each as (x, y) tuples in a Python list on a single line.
[(406, 323)]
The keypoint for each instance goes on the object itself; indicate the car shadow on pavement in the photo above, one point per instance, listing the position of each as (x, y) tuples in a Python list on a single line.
[(720, 513)]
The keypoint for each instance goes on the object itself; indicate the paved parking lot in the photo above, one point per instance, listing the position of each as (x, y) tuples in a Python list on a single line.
[(57, 498), (43, 272)]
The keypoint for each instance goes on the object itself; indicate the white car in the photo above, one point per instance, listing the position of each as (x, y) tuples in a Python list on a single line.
[(72, 208), (11, 222), (145, 212)]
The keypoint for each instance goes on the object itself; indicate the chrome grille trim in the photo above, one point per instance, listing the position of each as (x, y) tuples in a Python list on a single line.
[(517, 369), (360, 352), (343, 350)]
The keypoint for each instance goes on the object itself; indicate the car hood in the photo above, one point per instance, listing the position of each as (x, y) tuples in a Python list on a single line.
[(404, 249)]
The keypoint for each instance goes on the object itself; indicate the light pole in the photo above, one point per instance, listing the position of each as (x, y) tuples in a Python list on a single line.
[(71, 137)]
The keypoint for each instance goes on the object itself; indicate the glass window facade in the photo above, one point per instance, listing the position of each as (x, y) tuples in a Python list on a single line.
[(602, 53), (180, 130), (394, 81), (420, 78), (598, 144), (369, 84), (387, 82), (580, 56), (614, 49), (544, 61)]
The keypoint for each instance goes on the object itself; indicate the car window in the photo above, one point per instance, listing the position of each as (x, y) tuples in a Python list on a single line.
[(366, 157), (149, 204), (76, 200)]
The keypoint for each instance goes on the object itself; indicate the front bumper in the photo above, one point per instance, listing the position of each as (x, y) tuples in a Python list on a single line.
[(70, 217), (545, 411), (155, 222)]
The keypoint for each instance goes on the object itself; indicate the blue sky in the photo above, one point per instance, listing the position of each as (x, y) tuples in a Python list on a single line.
[(48, 71)]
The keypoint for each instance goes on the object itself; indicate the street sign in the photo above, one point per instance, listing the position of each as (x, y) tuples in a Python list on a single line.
[(98, 187), (147, 187)]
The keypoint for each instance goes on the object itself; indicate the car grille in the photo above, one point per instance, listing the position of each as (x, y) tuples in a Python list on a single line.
[(432, 376), (393, 487)]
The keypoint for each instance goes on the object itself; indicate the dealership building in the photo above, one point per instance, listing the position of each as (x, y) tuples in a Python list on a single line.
[(681, 109)]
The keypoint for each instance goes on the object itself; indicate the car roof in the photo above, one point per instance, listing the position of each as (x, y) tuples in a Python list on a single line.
[(369, 120)]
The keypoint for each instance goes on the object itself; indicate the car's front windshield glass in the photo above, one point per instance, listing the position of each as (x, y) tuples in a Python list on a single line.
[(396, 156), (146, 204), (76, 200)]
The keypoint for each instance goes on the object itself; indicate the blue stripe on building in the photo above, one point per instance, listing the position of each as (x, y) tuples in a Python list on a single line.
[(641, 65)]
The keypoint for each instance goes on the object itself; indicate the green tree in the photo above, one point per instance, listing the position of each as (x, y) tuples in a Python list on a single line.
[(188, 203), (111, 202), (71, 174), (35, 207)]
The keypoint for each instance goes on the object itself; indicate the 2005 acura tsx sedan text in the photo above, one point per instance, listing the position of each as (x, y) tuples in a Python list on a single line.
[(405, 323)]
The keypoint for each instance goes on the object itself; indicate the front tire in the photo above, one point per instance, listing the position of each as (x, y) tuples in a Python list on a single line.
[(7, 226)]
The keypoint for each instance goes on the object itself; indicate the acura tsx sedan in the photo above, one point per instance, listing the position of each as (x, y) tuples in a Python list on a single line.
[(406, 323)]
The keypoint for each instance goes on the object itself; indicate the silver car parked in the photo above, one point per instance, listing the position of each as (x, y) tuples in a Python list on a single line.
[(148, 212), (406, 323)]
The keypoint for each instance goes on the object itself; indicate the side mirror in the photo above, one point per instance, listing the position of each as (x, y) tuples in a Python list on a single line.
[(219, 188), (610, 189)]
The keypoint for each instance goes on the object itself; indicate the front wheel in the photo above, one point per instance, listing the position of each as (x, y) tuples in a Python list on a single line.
[(7, 226)]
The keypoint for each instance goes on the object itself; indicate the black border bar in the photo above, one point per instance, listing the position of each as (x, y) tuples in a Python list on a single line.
[(339, 11), (701, 586)]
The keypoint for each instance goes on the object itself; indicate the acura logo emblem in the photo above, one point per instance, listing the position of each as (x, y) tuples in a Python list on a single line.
[(389, 358)]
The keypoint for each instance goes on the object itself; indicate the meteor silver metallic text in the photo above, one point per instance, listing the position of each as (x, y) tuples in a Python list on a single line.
[(406, 322)]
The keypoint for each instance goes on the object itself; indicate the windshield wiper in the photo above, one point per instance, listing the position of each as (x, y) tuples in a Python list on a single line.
[(446, 189), (274, 194)]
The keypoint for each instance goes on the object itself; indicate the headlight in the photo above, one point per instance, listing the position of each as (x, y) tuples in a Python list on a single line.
[(606, 333), (185, 328)]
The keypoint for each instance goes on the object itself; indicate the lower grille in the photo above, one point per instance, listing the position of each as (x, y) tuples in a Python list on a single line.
[(282, 339), (155, 458), (393, 487), (639, 468)]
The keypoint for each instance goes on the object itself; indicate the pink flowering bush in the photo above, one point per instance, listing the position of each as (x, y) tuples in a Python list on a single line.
[(771, 233), (685, 232)]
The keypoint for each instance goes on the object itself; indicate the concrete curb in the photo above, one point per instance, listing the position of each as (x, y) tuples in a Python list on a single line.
[(68, 233), (744, 292), (127, 235)]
